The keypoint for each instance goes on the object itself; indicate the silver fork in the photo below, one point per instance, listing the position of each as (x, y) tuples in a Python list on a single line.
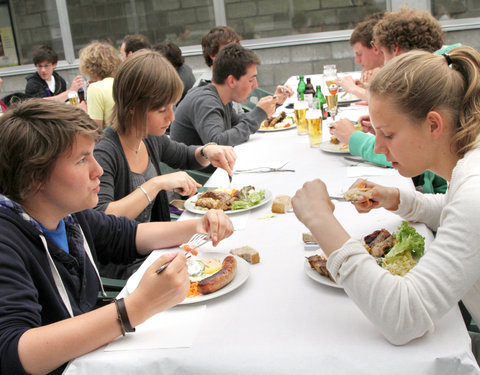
[(197, 240), (264, 169)]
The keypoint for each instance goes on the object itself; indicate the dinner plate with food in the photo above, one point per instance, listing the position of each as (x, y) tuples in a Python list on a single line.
[(229, 200), (278, 123), (315, 267), (397, 252), (346, 98), (211, 275), (334, 146)]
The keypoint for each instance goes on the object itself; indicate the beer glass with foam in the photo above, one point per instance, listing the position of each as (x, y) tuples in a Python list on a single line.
[(314, 123), (300, 111), (73, 98)]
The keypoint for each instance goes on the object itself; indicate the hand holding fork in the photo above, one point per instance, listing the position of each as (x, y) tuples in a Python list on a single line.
[(197, 240)]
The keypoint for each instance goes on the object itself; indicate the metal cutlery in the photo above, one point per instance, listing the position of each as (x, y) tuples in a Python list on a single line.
[(340, 198), (349, 158), (197, 240), (264, 169)]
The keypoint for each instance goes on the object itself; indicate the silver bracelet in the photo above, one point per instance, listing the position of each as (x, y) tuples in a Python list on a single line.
[(146, 194), (202, 154)]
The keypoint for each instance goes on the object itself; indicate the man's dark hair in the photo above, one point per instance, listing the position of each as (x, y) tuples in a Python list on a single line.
[(135, 42), (363, 32), (171, 52), (233, 59), (215, 39), (44, 53)]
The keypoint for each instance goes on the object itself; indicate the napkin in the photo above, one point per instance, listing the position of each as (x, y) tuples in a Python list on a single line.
[(361, 171), (175, 328)]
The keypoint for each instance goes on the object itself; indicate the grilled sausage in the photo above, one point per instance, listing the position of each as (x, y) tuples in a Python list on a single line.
[(219, 279)]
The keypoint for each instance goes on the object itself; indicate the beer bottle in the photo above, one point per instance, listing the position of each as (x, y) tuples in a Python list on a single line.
[(320, 102), (81, 94), (301, 88), (309, 92)]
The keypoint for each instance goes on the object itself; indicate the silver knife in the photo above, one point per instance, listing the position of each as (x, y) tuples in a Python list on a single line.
[(349, 158)]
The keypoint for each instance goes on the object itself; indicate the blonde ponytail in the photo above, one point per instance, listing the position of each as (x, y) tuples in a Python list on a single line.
[(419, 82)]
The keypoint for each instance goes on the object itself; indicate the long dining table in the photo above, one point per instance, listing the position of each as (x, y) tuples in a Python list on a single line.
[(280, 320)]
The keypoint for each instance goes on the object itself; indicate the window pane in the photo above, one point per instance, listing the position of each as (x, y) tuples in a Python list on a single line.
[(35, 23), (184, 22), (269, 18), (449, 9)]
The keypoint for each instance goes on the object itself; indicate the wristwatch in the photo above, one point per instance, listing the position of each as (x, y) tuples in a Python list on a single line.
[(202, 154)]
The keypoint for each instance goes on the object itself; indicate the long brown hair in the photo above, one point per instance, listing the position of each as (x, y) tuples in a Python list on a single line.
[(419, 82), (145, 81)]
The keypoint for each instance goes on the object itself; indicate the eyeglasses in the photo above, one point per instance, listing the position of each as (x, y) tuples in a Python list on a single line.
[(40, 66)]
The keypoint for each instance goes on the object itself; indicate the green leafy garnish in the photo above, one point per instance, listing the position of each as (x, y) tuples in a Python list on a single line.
[(407, 238), (248, 198)]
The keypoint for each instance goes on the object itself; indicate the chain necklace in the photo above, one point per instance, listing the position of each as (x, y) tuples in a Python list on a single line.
[(131, 148)]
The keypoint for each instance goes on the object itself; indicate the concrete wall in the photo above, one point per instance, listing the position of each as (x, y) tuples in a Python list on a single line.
[(278, 64)]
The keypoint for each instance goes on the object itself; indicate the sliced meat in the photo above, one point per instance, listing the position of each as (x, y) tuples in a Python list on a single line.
[(319, 264), (380, 242), (277, 119), (215, 199)]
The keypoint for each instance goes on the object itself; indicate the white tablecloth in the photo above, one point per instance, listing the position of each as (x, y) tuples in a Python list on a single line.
[(281, 321)]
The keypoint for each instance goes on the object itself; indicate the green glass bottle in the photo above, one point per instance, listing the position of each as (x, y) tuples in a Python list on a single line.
[(320, 102), (301, 88)]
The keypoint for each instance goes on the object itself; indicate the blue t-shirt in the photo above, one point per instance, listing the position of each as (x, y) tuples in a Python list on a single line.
[(58, 236)]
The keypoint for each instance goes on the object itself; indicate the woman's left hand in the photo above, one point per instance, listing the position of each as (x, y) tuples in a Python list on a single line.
[(217, 225), (221, 157)]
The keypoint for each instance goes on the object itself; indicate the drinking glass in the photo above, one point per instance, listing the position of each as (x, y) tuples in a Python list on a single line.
[(332, 103), (314, 123), (73, 98), (300, 111), (329, 75)]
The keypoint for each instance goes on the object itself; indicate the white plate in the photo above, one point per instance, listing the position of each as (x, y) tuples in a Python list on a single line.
[(328, 146), (314, 275), (293, 126), (190, 204), (348, 98), (243, 271)]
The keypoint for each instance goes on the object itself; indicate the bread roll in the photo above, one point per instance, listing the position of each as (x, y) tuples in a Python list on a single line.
[(308, 238), (281, 204), (246, 252)]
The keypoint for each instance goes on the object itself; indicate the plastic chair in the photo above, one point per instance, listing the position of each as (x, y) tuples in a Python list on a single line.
[(112, 287), (253, 99)]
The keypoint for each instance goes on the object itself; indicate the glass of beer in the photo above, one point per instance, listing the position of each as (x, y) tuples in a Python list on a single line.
[(314, 123), (329, 75), (332, 103), (300, 111), (73, 98)]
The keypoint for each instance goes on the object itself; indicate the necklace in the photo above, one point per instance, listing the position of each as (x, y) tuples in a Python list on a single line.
[(131, 148)]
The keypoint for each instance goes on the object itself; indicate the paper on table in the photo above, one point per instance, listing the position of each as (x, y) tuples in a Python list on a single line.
[(359, 171), (240, 220), (175, 328)]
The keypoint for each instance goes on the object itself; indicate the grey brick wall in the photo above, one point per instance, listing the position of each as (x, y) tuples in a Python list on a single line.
[(278, 64)]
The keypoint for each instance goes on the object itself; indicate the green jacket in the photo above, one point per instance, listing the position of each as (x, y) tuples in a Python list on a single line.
[(361, 144)]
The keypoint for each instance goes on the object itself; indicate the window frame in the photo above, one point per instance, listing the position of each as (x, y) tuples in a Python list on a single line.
[(71, 62)]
